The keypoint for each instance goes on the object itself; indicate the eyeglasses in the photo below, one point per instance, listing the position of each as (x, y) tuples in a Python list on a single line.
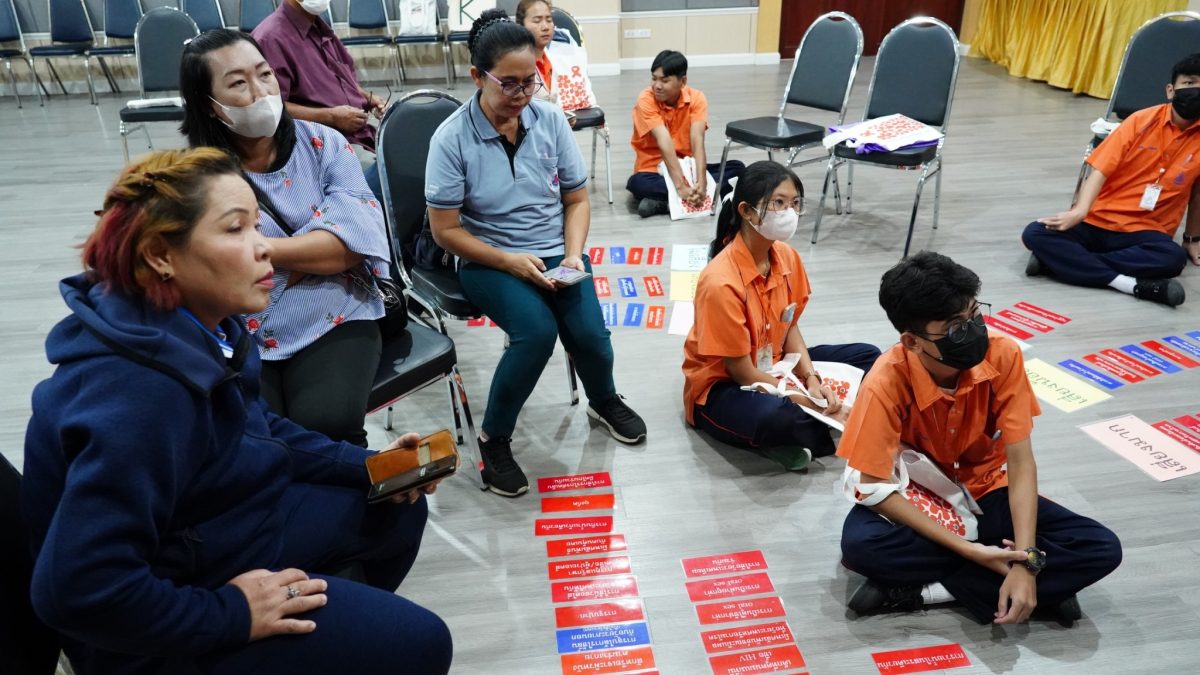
[(511, 89), (779, 204), (960, 329)]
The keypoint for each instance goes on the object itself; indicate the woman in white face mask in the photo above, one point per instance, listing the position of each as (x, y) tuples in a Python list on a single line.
[(318, 338), (747, 306)]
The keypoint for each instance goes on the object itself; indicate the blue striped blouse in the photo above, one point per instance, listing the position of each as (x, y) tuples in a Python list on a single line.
[(320, 188)]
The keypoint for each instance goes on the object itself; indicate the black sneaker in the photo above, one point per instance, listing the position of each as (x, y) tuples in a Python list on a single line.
[(790, 457), (624, 424), (1033, 267), (652, 207), (1066, 612), (874, 597), (500, 471), (1164, 291)]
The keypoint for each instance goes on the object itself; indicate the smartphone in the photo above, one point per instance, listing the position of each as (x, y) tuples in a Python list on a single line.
[(567, 276), (404, 469)]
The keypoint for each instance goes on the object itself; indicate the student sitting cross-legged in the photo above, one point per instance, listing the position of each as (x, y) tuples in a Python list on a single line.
[(748, 304), (961, 399)]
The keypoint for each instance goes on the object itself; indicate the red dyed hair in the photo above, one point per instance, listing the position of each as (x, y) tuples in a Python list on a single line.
[(156, 199)]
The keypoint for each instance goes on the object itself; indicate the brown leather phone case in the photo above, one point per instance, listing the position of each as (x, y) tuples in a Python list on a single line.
[(404, 469)]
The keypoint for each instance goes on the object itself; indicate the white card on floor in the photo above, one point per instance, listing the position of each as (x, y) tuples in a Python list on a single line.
[(1150, 196), (683, 314)]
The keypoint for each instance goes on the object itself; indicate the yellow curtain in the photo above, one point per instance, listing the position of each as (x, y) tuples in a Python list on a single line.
[(1072, 44)]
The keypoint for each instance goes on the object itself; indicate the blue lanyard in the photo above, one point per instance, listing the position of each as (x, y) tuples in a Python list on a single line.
[(217, 335)]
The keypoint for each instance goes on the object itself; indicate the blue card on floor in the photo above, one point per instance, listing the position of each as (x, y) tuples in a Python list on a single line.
[(610, 313), (616, 255), (633, 314), (1153, 359), (603, 637), (1093, 375), (628, 288)]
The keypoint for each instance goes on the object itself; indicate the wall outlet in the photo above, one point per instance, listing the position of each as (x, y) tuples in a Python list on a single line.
[(637, 33)]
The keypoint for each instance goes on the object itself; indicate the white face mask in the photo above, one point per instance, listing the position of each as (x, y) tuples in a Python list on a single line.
[(257, 120), (315, 7), (777, 225)]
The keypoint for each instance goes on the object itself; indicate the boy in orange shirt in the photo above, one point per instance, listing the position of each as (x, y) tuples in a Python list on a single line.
[(1120, 232), (961, 398)]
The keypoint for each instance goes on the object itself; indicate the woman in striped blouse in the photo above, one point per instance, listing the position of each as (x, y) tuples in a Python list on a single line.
[(318, 337)]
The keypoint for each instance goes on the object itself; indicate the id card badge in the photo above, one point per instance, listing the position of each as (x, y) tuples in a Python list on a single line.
[(765, 358), (1150, 196), (789, 313)]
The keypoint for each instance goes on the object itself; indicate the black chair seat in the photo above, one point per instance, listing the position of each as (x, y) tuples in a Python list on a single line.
[(361, 40), (157, 113), (901, 157), (443, 289), (586, 118), (417, 39), (9, 53), (418, 355), (459, 35), (772, 132), (64, 49), (111, 50)]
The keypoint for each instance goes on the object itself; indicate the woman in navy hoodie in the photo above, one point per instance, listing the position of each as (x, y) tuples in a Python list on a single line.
[(178, 525)]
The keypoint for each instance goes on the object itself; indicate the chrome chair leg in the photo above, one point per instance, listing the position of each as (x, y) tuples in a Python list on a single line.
[(458, 427), (593, 174), (721, 173), (937, 193), (112, 81), (608, 162), (13, 79), (572, 383), (87, 70), (830, 168), (912, 221), (849, 187), (124, 131), (472, 444), (39, 85), (54, 73)]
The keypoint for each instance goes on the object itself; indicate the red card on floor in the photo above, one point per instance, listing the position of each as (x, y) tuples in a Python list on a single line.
[(1113, 368), (728, 587), (746, 637), (1007, 328), (706, 566), (654, 286), (1177, 434), (607, 588), (634, 257), (1163, 350), (596, 255), (543, 527), (1044, 313), (920, 660), (608, 661), (740, 610), (654, 255), (477, 322), (600, 613), (1188, 422), (592, 567), (656, 315), (557, 548), (603, 288), (581, 481), (1130, 363), (580, 503), (1025, 321), (772, 660)]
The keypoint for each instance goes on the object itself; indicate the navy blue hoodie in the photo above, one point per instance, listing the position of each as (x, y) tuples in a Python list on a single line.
[(152, 475)]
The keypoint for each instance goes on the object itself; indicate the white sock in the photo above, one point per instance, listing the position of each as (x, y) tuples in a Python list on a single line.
[(483, 436), (935, 594), (1123, 283)]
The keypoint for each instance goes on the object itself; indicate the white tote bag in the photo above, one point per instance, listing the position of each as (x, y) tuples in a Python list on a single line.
[(679, 209), (418, 17), (921, 482), (571, 83)]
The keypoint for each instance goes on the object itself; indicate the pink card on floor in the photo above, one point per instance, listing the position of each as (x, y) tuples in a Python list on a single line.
[(582, 481), (592, 567), (727, 587), (705, 566), (774, 660), (746, 637), (606, 588), (557, 548), (740, 610), (580, 503), (543, 527), (920, 660)]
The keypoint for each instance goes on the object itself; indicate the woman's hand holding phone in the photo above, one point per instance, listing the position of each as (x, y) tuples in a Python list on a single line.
[(528, 267), (410, 441)]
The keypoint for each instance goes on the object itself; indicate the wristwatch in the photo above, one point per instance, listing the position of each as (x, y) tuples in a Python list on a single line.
[(1035, 560), (1189, 239)]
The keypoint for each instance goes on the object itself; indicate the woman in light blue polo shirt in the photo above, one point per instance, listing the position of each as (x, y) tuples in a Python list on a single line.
[(507, 194)]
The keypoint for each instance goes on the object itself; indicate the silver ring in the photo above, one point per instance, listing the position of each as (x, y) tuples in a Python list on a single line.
[(292, 592)]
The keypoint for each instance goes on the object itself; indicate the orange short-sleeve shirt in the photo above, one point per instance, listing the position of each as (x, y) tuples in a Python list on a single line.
[(738, 311), (1146, 147), (648, 113), (965, 434)]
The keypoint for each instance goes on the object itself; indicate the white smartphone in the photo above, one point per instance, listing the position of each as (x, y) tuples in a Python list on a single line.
[(567, 276)]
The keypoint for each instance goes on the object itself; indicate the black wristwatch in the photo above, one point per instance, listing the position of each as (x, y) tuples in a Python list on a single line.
[(1188, 239), (1035, 560)]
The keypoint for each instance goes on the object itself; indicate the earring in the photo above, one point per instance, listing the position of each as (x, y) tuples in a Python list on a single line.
[(166, 276)]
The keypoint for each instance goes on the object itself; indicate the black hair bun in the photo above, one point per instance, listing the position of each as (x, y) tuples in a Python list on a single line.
[(488, 18)]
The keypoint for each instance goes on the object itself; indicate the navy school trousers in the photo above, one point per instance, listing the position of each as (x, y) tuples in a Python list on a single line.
[(1086, 255), (651, 185)]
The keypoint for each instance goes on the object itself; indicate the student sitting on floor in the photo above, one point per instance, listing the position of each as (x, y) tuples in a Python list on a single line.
[(748, 304), (1120, 232), (669, 121), (960, 398)]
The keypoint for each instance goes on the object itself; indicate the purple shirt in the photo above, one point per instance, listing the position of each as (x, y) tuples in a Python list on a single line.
[(312, 65)]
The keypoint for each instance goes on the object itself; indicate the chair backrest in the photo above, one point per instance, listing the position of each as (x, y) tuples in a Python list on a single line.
[(563, 19), (121, 18), (10, 27), (402, 148), (367, 14), (206, 13), (825, 64), (28, 647), (252, 12), (70, 22), (1145, 71), (915, 72), (159, 42)]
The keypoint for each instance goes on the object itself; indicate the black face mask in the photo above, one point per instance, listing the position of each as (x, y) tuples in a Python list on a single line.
[(1186, 102), (968, 353)]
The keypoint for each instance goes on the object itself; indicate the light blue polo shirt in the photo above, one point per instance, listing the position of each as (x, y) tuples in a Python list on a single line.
[(517, 210)]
